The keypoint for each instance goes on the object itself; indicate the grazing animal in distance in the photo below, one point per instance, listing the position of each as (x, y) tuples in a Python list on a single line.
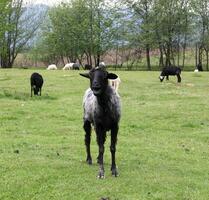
[(76, 66), (87, 67), (71, 66), (52, 67), (68, 66), (170, 71), (36, 82), (102, 109), (199, 67)]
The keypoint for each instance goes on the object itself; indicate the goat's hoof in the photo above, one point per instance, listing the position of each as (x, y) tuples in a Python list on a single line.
[(115, 172), (101, 174), (89, 161)]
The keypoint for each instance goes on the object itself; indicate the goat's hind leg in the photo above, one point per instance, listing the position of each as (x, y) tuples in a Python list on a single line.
[(87, 128), (101, 137), (114, 133)]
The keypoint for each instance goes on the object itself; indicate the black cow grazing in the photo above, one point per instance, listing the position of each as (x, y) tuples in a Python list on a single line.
[(102, 109), (36, 82), (87, 67), (170, 71)]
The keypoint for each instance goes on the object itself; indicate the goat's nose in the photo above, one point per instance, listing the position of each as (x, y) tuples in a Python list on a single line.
[(95, 84)]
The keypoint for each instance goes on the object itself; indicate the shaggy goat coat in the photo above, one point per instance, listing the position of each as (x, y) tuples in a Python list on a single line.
[(105, 114)]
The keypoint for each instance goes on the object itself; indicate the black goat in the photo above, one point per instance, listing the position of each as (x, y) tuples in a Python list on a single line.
[(36, 82), (199, 67), (170, 71), (87, 67), (102, 109), (76, 66)]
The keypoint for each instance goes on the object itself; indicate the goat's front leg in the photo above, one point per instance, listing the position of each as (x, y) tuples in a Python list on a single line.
[(87, 128), (101, 136), (114, 132), (167, 77)]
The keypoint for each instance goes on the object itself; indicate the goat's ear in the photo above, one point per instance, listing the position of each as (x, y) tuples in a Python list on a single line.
[(86, 75), (112, 76)]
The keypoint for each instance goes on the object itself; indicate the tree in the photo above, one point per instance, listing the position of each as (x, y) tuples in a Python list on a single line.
[(201, 10), (76, 30), (21, 25), (172, 21), (143, 9)]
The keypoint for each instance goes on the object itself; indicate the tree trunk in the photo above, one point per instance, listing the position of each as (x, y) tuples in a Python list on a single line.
[(116, 57), (161, 61), (148, 57), (184, 50), (207, 60), (200, 55), (196, 55), (168, 55), (97, 59)]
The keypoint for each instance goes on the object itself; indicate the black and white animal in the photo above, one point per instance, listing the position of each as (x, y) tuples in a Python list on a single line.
[(170, 71), (36, 82), (71, 66), (102, 109)]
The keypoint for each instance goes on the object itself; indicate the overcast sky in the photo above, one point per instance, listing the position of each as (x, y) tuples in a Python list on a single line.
[(48, 2), (54, 2)]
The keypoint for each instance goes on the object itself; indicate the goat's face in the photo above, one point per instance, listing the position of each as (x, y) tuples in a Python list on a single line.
[(99, 80)]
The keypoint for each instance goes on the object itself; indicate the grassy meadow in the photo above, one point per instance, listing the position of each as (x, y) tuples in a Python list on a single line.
[(163, 142)]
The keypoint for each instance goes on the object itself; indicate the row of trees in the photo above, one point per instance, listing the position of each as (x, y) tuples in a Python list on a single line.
[(171, 26), (74, 31), (84, 30), (89, 28)]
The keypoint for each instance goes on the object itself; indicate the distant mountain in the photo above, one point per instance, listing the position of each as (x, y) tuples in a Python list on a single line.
[(34, 14)]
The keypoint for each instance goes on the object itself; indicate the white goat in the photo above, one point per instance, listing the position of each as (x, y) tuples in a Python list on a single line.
[(52, 67), (68, 66)]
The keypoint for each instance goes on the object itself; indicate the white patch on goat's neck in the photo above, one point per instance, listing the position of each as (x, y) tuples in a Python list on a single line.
[(161, 77)]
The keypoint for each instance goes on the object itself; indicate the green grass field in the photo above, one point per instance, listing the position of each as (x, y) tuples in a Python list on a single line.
[(163, 142)]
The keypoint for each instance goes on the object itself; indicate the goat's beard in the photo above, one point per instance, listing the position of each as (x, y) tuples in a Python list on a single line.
[(97, 92)]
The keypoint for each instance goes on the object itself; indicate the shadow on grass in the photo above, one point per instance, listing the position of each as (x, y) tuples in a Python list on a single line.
[(197, 75), (24, 96)]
